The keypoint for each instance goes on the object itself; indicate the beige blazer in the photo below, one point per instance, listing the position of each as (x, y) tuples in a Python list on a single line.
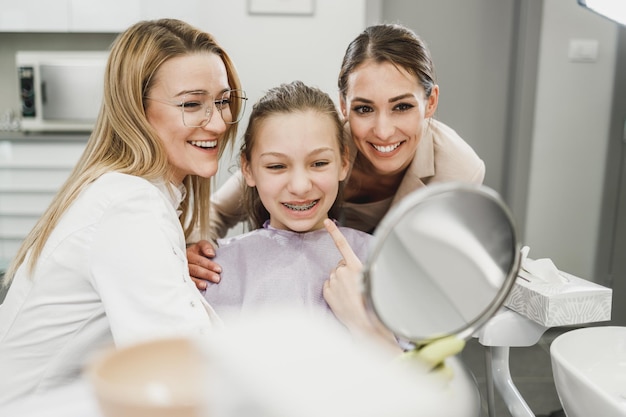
[(441, 155)]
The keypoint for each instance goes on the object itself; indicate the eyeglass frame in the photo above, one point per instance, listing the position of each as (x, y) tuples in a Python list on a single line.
[(209, 110)]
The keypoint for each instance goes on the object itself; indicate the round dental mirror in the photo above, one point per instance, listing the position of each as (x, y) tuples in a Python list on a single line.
[(442, 262)]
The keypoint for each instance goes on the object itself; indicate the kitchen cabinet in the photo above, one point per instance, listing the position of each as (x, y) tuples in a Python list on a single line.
[(32, 169), (34, 16), (103, 16), (96, 16)]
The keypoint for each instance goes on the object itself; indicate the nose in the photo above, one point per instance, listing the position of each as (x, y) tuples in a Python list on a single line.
[(299, 182), (384, 127), (216, 122)]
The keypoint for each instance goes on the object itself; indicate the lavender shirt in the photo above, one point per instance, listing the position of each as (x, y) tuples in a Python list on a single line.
[(268, 266)]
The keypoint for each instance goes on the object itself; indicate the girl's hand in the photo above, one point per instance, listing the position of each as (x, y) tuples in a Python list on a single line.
[(343, 293), (342, 290)]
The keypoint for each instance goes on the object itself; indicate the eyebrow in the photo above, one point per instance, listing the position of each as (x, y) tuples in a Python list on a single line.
[(391, 100), (312, 153), (182, 93)]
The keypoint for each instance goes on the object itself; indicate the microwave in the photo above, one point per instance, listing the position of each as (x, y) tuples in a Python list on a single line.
[(60, 91)]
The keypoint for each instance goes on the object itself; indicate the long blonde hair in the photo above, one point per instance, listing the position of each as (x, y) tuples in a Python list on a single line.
[(122, 139)]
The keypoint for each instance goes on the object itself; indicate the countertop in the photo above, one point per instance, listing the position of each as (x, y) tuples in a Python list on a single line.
[(42, 137)]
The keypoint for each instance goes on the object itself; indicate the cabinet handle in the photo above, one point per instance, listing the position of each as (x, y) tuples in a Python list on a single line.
[(44, 95)]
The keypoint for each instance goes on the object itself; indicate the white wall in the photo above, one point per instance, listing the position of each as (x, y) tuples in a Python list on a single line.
[(471, 55), (269, 50), (569, 142)]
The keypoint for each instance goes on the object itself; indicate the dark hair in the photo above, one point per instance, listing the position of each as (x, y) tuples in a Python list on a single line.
[(391, 43), (285, 99)]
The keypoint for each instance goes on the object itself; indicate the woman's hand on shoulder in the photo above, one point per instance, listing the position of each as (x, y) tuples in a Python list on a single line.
[(201, 268)]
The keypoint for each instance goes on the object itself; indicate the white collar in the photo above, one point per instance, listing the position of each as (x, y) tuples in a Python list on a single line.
[(175, 194)]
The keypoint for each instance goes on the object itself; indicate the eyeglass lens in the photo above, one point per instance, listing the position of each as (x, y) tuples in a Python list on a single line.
[(199, 107)]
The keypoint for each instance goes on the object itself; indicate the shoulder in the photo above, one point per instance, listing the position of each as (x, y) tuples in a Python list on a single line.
[(446, 137), (454, 157), (132, 206), (115, 191), (118, 183), (238, 239), (239, 252), (233, 246), (355, 235), (359, 241)]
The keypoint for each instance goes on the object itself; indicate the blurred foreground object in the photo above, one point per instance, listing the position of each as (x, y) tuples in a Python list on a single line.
[(283, 362), (160, 378)]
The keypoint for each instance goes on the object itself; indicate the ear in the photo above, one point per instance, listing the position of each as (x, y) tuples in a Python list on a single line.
[(345, 164), (433, 100), (247, 172), (342, 106)]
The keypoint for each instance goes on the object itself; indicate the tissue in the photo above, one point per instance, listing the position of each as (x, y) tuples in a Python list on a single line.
[(555, 298), (543, 270)]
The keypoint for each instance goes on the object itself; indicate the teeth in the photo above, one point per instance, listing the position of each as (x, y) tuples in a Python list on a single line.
[(386, 149), (204, 143), (297, 207)]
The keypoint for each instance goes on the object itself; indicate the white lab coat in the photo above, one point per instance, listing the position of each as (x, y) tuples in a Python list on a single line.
[(114, 270)]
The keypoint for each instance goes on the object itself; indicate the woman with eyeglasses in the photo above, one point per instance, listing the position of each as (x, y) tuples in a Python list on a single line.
[(106, 262)]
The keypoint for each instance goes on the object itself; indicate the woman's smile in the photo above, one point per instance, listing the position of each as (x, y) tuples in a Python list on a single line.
[(387, 149), (204, 144), (190, 150)]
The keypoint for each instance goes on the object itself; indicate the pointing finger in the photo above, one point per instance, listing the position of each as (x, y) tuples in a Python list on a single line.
[(342, 244)]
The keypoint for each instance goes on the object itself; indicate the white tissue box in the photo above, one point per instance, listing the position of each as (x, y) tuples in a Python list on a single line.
[(576, 301)]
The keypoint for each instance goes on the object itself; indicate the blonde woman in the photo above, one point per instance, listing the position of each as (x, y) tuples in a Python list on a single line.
[(106, 263)]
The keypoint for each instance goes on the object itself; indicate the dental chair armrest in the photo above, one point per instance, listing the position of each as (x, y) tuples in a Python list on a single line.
[(508, 328)]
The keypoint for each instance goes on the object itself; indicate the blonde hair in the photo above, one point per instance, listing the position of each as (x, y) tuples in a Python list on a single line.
[(123, 140)]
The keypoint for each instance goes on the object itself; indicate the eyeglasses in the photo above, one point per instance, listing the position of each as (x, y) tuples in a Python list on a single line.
[(197, 108)]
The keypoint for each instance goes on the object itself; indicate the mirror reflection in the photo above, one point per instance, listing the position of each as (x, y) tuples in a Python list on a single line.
[(442, 263)]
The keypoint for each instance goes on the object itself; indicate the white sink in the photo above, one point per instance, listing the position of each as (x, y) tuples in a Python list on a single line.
[(589, 367)]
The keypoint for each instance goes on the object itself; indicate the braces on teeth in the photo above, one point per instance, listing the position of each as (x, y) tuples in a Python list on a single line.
[(300, 208)]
